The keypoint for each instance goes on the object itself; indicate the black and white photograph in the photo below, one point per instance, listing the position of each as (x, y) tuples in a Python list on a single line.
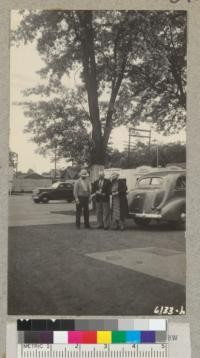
[(97, 162)]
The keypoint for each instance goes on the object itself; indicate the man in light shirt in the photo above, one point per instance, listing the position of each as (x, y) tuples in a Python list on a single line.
[(82, 192)]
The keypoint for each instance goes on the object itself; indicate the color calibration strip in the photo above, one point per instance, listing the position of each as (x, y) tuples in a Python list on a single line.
[(125, 331), (110, 338), (91, 337)]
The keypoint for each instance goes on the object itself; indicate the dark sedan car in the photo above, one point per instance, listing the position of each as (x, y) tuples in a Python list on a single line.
[(58, 191), (159, 196)]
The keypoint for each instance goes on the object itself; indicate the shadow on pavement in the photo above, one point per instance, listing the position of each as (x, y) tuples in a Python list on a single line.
[(130, 225)]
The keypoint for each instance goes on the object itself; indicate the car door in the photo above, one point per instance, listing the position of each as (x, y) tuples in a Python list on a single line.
[(65, 191), (68, 191), (61, 192)]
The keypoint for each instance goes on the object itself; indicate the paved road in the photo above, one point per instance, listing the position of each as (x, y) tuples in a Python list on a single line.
[(59, 270)]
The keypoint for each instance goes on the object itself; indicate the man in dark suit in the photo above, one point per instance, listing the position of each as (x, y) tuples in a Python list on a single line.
[(101, 191)]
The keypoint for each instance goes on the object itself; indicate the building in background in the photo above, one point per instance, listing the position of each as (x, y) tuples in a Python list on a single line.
[(25, 183)]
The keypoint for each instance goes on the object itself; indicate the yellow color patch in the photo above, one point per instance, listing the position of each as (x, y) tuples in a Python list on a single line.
[(104, 337)]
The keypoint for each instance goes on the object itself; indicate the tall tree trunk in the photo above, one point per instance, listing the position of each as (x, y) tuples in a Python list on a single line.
[(98, 152), (90, 77), (100, 140)]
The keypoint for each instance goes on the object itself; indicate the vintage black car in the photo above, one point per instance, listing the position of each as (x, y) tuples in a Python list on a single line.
[(58, 191), (159, 196)]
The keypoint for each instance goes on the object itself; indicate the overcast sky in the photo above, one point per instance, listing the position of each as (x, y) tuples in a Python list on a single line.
[(24, 63)]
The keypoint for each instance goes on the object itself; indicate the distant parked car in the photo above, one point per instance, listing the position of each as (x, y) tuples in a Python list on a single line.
[(58, 191), (159, 196)]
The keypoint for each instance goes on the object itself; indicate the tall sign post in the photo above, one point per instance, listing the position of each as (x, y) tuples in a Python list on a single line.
[(139, 133)]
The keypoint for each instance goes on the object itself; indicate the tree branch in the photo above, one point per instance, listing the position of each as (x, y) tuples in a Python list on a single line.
[(115, 57), (176, 71)]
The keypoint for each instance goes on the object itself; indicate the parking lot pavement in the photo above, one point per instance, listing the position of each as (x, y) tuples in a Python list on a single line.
[(59, 270), (24, 212)]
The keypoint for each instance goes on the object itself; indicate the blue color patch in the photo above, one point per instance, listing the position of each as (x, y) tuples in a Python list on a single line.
[(133, 337)]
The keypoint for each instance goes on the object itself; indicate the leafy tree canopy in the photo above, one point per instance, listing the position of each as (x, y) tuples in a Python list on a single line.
[(131, 66)]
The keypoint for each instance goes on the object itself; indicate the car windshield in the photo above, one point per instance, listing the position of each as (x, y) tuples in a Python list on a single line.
[(55, 185), (150, 182)]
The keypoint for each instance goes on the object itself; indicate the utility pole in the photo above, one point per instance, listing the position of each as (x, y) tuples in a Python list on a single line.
[(149, 146), (157, 152), (129, 146), (157, 155), (15, 161), (55, 162)]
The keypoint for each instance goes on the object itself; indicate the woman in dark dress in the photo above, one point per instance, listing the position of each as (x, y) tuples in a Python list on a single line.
[(119, 206)]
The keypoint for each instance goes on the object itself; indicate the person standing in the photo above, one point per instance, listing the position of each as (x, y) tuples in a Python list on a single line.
[(102, 190), (82, 192), (119, 206)]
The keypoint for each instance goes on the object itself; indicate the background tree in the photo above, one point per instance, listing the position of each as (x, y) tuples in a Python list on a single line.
[(58, 127), (171, 153), (30, 171), (131, 65)]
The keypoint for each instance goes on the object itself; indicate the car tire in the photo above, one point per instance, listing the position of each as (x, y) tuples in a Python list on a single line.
[(142, 222), (36, 201), (45, 199), (180, 222)]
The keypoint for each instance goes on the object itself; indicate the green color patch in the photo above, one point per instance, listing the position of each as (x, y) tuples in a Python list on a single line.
[(118, 336)]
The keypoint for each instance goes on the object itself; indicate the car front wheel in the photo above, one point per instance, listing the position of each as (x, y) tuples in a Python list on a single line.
[(142, 222), (45, 199), (36, 201)]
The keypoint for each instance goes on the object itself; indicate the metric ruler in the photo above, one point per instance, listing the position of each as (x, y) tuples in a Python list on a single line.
[(156, 350)]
